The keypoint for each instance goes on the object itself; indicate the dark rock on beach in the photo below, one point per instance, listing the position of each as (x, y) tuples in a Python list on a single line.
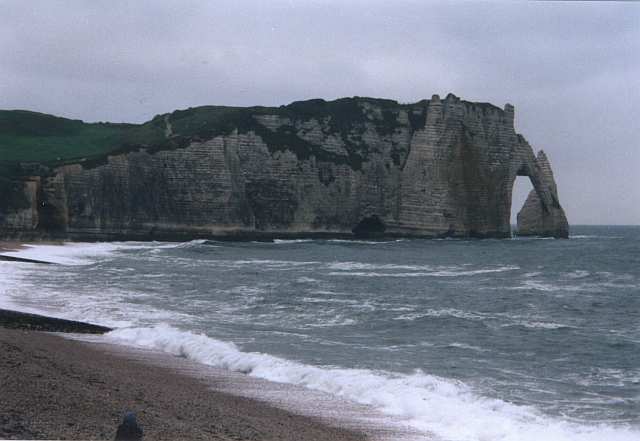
[(129, 430), (23, 260), (34, 322)]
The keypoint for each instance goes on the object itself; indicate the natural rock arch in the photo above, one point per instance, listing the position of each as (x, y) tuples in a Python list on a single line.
[(541, 214)]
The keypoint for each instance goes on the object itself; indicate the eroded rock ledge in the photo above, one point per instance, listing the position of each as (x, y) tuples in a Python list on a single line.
[(355, 166)]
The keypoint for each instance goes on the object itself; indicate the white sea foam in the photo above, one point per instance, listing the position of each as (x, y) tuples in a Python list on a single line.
[(513, 320), (446, 312), (445, 408), (364, 242), (609, 377), (68, 253), (577, 274), (290, 241), (9, 275), (110, 306), (550, 287), (540, 325), (376, 274), (434, 273), (268, 263), (306, 280), (188, 244), (437, 270), (454, 273), (79, 253), (348, 266), (338, 320), (468, 347)]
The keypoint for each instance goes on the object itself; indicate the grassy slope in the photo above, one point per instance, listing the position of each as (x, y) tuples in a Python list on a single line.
[(37, 137)]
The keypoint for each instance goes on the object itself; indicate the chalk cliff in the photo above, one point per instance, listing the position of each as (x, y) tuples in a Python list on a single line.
[(358, 166)]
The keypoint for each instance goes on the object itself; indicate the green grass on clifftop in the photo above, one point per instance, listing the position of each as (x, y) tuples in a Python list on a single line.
[(36, 137)]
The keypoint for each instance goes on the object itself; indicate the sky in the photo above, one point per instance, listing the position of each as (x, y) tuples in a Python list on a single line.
[(572, 70)]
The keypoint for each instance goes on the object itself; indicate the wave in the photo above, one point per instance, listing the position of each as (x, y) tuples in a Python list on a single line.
[(511, 320), (69, 253), (446, 408), (446, 312), (595, 287), (577, 274), (364, 242), (87, 253), (10, 273), (266, 263), (535, 285), (306, 280), (188, 244), (467, 347), (540, 325), (593, 236), (350, 265), (290, 241), (434, 273)]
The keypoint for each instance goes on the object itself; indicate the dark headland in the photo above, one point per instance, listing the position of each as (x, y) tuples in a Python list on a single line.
[(344, 168)]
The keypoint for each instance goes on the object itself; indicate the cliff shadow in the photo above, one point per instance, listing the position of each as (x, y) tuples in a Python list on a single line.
[(370, 226)]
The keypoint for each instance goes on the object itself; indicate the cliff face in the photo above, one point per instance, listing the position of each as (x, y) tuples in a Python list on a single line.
[(370, 167)]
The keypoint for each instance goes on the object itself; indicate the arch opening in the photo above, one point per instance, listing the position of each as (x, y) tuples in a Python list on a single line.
[(370, 226), (522, 187)]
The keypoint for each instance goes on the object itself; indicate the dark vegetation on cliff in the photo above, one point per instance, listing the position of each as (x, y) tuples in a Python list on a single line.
[(35, 137), (30, 137)]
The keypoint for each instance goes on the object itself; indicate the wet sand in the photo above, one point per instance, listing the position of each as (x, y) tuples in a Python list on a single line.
[(10, 246), (56, 388)]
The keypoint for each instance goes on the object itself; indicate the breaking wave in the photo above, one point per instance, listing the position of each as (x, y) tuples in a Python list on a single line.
[(426, 271), (443, 407)]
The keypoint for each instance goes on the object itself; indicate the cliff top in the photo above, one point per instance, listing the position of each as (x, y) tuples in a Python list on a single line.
[(31, 137)]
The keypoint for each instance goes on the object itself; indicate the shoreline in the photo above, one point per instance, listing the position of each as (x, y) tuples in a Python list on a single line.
[(248, 236), (78, 386), (55, 388)]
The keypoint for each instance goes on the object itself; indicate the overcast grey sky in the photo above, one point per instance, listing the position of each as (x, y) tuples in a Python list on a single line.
[(572, 70)]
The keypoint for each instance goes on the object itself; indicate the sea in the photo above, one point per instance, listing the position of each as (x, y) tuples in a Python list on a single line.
[(469, 340)]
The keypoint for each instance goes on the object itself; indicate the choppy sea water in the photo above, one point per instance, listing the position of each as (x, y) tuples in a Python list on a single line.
[(523, 339)]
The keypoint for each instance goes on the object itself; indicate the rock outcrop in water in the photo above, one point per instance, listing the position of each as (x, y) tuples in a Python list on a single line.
[(354, 166)]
